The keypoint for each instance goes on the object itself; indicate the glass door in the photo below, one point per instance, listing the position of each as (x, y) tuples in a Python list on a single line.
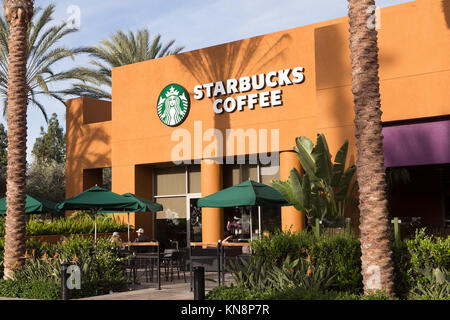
[(194, 218)]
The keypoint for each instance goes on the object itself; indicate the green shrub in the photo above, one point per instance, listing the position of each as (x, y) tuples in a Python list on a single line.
[(261, 275), (234, 293), (427, 251), (341, 255), (412, 257), (37, 289), (100, 265), (436, 286), (293, 293), (79, 225)]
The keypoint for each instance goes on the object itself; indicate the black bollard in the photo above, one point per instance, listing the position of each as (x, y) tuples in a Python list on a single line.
[(199, 283), (65, 293)]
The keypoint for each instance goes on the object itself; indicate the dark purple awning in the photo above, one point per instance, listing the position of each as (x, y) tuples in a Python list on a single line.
[(417, 144)]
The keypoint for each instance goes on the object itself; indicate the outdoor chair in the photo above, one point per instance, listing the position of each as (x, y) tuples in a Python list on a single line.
[(177, 262), (173, 259), (142, 259)]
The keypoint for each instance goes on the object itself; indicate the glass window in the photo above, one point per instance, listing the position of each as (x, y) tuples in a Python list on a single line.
[(250, 172), (171, 222), (269, 173), (235, 174), (170, 181), (195, 179), (174, 208), (270, 219)]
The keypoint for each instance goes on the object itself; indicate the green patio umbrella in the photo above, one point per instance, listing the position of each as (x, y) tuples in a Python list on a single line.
[(146, 204), (247, 193), (97, 199), (33, 205)]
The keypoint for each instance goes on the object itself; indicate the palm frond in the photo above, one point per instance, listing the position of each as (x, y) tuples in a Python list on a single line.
[(120, 49), (43, 54)]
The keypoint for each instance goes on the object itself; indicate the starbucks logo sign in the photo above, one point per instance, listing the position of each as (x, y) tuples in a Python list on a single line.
[(173, 105)]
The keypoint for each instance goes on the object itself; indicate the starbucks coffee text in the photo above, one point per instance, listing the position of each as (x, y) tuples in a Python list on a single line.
[(258, 82)]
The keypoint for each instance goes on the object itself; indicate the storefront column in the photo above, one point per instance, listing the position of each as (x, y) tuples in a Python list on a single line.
[(212, 218), (143, 186), (290, 217)]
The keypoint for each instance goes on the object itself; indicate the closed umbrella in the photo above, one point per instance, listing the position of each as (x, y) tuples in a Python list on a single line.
[(33, 205), (98, 199)]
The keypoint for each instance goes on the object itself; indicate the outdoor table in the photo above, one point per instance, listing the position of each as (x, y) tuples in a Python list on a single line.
[(224, 256), (150, 256)]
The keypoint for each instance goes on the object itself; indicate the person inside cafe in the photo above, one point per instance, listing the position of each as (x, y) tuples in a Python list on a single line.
[(141, 237)]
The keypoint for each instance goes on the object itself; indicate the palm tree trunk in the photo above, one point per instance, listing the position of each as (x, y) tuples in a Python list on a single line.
[(18, 13), (377, 266)]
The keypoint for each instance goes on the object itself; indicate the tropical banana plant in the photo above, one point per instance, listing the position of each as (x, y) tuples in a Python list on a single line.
[(322, 191)]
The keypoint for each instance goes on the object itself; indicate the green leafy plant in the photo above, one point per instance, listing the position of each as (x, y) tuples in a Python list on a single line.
[(37, 289), (291, 293), (436, 288), (100, 266), (79, 225), (301, 273), (341, 255), (46, 76), (261, 275), (322, 191), (252, 273)]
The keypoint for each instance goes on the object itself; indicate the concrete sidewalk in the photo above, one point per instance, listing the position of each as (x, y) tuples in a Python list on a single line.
[(176, 290)]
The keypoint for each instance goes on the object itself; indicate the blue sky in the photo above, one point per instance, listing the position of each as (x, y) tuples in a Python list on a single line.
[(194, 24)]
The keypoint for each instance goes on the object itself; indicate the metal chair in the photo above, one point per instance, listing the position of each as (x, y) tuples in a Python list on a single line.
[(142, 259), (173, 259)]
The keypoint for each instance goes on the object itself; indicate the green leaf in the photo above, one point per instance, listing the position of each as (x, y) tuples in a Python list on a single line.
[(344, 183), (339, 164), (323, 159), (304, 151)]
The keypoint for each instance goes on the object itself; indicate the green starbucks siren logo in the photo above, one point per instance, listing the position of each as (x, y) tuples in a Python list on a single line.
[(173, 105)]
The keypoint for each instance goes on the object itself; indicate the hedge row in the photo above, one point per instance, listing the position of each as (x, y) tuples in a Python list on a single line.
[(80, 225)]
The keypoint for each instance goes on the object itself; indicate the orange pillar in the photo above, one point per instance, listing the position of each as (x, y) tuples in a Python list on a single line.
[(290, 217), (212, 218), (143, 186)]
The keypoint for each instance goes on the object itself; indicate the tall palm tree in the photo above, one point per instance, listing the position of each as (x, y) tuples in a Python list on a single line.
[(377, 266), (41, 58), (121, 49), (18, 14)]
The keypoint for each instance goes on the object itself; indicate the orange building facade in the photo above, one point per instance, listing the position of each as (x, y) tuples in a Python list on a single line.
[(244, 104)]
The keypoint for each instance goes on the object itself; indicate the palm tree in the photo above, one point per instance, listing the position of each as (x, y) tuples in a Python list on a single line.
[(377, 266), (41, 57), (121, 49), (18, 13)]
